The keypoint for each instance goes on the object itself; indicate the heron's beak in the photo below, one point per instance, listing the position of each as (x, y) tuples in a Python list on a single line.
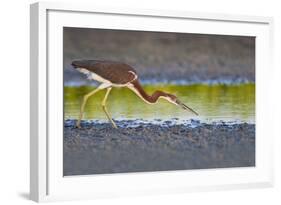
[(185, 107)]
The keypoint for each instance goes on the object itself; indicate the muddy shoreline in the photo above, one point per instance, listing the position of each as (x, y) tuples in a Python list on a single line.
[(97, 148)]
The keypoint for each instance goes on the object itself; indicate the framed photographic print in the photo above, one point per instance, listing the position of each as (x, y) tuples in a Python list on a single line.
[(130, 101)]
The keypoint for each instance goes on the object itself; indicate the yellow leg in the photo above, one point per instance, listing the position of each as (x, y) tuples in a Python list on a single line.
[(85, 98), (104, 107)]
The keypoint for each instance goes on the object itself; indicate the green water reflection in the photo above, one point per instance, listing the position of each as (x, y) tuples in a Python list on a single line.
[(215, 102)]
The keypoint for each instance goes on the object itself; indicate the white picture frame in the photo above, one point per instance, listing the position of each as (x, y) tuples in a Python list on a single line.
[(46, 180)]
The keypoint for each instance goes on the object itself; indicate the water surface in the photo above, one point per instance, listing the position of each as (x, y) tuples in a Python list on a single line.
[(212, 102)]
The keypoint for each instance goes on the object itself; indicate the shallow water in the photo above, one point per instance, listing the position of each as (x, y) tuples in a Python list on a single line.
[(212, 102)]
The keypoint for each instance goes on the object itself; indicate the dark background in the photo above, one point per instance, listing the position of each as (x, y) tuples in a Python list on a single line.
[(163, 56)]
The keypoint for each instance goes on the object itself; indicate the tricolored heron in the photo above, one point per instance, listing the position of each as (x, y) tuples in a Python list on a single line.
[(115, 74)]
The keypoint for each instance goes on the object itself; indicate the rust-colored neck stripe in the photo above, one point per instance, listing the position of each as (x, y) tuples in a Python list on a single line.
[(149, 98)]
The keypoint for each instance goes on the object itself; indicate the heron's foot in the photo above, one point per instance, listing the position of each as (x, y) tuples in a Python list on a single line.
[(113, 124), (78, 125)]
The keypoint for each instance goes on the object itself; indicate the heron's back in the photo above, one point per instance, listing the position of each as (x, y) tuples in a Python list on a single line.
[(115, 72)]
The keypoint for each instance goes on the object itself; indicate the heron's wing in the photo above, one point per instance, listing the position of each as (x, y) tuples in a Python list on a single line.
[(117, 73)]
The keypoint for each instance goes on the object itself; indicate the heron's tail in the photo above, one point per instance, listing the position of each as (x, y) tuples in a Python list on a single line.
[(79, 63)]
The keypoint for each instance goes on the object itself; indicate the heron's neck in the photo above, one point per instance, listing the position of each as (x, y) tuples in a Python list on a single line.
[(151, 99)]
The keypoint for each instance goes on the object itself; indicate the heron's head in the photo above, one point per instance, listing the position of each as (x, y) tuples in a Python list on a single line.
[(174, 100)]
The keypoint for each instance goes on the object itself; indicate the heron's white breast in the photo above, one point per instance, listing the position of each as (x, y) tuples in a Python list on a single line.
[(93, 76)]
